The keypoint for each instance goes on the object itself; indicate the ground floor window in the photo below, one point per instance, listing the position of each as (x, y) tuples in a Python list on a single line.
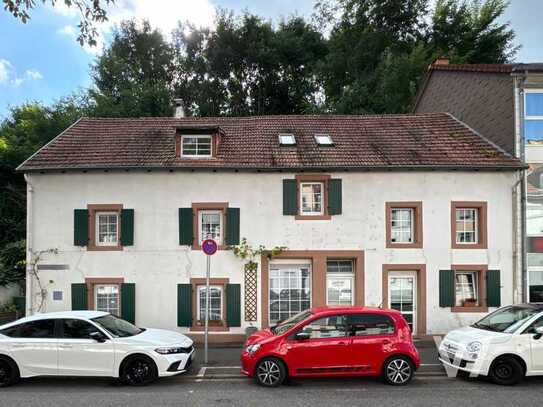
[(107, 298), (215, 302), (466, 288), (535, 288), (290, 291), (339, 282)]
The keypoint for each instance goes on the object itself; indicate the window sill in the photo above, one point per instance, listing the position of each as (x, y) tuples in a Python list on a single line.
[(313, 217), (92, 248), (470, 309), (212, 328), (393, 245), (468, 246)]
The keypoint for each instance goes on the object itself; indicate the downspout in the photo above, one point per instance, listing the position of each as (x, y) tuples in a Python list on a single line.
[(29, 244)]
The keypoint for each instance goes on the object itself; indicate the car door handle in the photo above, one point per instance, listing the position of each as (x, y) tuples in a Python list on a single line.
[(342, 343), (18, 346), (65, 346), (386, 342)]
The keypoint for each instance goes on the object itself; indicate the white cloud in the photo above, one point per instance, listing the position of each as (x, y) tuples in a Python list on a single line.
[(5, 70), (33, 74), (68, 30)]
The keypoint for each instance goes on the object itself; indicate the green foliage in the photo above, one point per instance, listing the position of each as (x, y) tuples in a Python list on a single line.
[(133, 77), (12, 263), (249, 254), (91, 12)]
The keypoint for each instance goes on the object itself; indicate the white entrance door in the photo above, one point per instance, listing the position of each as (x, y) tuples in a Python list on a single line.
[(402, 296)]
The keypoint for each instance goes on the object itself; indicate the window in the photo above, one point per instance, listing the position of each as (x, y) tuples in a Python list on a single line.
[(210, 222), (339, 282), (327, 327), (404, 224), (323, 139), (43, 328), (466, 225), (215, 303), (369, 324), (312, 198), (533, 118), (196, 146), (107, 230), (287, 139), (290, 291), (77, 329), (535, 289), (107, 298), (466, 286)]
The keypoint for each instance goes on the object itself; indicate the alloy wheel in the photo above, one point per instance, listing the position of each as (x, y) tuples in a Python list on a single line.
[(398, 371), (269, 372), (6, 373), (504, 371), (139, 372)]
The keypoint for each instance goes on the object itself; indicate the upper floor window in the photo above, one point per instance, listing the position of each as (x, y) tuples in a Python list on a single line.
[(287, 139), (196, 146), (404, 224), (533, 117), (107, 228), (323, 139), (468, 228), (312, 198), (210, 222), (466, 225)]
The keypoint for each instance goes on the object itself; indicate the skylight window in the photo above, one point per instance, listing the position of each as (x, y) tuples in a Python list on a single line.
[(287, 139), (324, 139)]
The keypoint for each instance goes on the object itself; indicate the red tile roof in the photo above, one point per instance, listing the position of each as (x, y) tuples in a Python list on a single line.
[(411, 141), (488, 68)]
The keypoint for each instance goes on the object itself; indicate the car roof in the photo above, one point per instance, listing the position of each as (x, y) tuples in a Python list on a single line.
[(57, 315), (351, 310)]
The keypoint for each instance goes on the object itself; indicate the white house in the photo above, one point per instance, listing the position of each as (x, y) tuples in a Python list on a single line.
[(413, 212)]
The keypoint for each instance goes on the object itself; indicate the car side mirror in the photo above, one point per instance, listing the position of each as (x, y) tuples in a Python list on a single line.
[(538, 332), (97, 336), (302, 336)]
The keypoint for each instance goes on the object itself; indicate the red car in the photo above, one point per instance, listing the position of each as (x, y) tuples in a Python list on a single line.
[(333, 341)]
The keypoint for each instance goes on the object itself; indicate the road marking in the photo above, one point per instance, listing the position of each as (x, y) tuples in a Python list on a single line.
[(201, 374), (223, 367), (430, 364)]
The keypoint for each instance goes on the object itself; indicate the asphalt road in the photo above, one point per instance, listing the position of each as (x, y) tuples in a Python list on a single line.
[(425, 391)]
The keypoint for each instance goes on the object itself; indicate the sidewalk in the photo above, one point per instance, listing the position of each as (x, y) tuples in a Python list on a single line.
[(223, 362)]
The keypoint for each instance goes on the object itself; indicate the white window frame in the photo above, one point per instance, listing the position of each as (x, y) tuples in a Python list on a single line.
[(530, 118), (97, 228), (202, 289), (96, 287), (476, 283), (201, 212), (287, 139), (323, 139), (330, 275), (289, 265), (528, 279), (476, 226), (402, 230), (312, 213), (197, 136)]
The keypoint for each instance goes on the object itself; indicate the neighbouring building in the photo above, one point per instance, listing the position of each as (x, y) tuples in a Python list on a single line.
[(504, 102), (413, 212)]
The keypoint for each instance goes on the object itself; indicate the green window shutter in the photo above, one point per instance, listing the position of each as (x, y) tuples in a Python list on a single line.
[(81, 227), (127, 227), (233, 305), (290, 197), (334, 197), (232, 226), (128, 302), (185, 226), (184, 305), (446, 288), (493, 288), (79, 297)]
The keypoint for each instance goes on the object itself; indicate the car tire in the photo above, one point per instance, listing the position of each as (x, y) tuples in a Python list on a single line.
[(139, 370), (270, 372), (398, 371), (506, 371), (9, 372)]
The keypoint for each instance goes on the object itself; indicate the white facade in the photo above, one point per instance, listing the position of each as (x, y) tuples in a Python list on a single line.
[(156, 262)]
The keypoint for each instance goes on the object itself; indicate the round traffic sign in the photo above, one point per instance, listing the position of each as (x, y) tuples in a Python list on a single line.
[(209, 247)]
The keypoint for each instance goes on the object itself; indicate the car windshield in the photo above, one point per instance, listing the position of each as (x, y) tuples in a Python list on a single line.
[(117, 327), (284, 326), (506, 320)]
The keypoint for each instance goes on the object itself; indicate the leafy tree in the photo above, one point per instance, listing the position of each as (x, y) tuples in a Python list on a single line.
[(91, 12), (12, 263), (133, 76)]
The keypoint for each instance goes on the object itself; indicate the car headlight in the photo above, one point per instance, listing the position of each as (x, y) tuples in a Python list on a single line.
[(474, 347), (171, 350), (253, 348)]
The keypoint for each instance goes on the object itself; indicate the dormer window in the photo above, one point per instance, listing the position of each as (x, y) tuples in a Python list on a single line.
[(324, 140), (287, 139), (196, 146)]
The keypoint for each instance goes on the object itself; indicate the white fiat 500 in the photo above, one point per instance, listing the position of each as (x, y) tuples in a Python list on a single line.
[(90, 343), (506, 345)]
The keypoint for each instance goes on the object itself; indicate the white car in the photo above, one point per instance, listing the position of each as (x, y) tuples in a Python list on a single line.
[(506, 345), (90, 343)]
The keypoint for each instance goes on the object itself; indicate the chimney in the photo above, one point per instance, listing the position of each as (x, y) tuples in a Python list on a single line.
[(442, 60), (179, 109)]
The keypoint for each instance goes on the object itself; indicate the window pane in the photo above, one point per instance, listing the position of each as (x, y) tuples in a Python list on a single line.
[(107, 299), (533, 130), (328, 327), (312, 197), (215, 303), (536, 285), (77, 329), (106, 229), (44, 328), (290, 292), (466, 225), (210, 225), (197, 146), (369, 324), (340, 290), (402, 225), (466, 289), (534, 104)]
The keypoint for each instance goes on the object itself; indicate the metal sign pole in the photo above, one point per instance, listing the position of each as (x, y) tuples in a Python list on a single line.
[(208, 272)]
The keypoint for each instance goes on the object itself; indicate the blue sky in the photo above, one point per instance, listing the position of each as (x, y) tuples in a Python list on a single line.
[(41, 60)]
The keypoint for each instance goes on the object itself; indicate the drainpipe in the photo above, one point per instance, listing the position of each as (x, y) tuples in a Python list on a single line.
[(29, 244)]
